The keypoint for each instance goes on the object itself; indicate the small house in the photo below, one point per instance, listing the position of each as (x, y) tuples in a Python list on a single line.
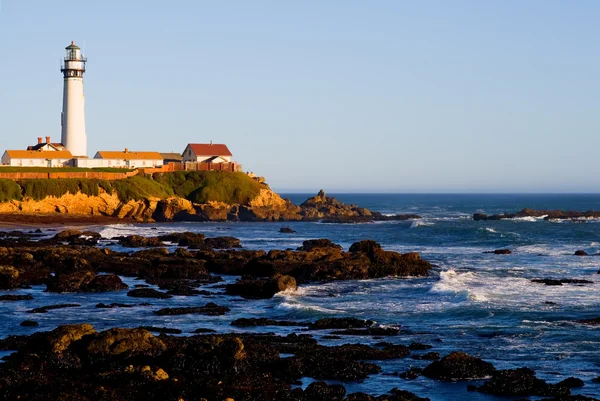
[(129, 159), (206, 153), (37, 158), (46, 146)]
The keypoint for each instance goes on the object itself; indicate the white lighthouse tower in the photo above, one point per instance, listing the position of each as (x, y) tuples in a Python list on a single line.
[(73, 135)]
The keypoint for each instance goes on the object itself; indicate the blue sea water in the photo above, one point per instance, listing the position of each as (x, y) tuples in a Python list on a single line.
[(480, 303)]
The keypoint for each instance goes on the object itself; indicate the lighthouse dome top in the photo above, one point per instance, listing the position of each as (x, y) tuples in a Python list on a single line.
[(72, 46)]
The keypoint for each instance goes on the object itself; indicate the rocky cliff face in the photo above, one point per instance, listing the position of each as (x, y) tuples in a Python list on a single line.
[(84, 205)]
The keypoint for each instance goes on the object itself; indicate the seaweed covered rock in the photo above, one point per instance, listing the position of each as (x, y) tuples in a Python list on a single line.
[(119, 341), (9, 277), (457, 366)]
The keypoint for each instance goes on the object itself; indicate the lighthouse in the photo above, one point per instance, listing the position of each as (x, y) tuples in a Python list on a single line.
[(73, 135)]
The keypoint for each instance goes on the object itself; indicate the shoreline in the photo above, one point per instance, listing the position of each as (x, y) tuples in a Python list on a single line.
[(21, 220)]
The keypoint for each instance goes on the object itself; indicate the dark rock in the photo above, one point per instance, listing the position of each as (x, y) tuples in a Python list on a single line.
[(137, 241), (571, 382), (340, 323), (29, 323), (148, 293), (312, 244), (254, 322), (9, 277), (105, 283), (367, 246), (261, 288), (117, 305), (189, 239), (520, 382), (458, 365), (592, 322), (203, 330), (321, 391), (222, 243), (429, 356), (12, 297), (210, 309), (287, 230), (369, 331), (419, 347), (115, 342), (550, 281), (45, 309), (500, 252), (166, 330), (71, 282), (411, 373), (581, 252)]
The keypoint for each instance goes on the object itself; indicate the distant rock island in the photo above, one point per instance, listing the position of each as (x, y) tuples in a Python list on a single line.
[(175, 196), (545, 214)]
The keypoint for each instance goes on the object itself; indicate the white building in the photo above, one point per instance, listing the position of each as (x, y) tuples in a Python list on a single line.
[(37, 158), (206, 153), (126, 159), (73, 135)]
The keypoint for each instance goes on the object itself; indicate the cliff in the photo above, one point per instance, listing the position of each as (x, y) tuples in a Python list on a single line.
[(180, 196)]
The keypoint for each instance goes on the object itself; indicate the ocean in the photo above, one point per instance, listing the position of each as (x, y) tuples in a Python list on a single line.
[(480, 303)]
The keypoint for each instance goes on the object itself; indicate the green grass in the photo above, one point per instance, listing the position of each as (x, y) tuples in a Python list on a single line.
[(138, 188), (15, 169), (196, 186), (9, 190), (205, 186)]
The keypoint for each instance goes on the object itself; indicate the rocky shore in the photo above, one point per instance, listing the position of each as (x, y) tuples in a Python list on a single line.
[(79, 362)]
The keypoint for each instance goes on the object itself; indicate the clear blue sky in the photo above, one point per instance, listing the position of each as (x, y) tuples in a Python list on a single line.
[(347, 95)]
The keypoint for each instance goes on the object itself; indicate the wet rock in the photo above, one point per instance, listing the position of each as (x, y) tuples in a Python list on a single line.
[(124, 341), (9, 277), (581, 252), (411, 373), (550, 281), (254, 322), (321, 391), (261, 288), (203, 330), (117, 305), (166, 330), (182, 253), (592, 322), (189, 239), (14, 297), (458, 365), (210, 309), (29, 323), (105, 283), (419, 346), (312, 244), (520, 382), (151, 254), (500, 252), (222, 243), (429, 356), (76, 237), (148, 293), (45, 309), (71, 282), (571, 382), (369, 331), (287, 230), (340, 323), (366, 246), (137, 241)]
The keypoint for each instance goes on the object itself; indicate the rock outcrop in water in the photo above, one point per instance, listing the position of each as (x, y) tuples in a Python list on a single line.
[(546, 214)]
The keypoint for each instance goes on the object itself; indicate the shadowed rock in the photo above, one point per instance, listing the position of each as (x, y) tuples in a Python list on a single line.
[(458, 365)]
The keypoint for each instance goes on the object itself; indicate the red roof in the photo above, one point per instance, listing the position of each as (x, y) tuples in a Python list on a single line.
[(210, 149)]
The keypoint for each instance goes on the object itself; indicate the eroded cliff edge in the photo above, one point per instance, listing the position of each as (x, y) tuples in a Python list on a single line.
[(182, 196)]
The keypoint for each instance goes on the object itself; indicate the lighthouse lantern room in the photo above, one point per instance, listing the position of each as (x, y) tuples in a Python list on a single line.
[(73, 136)]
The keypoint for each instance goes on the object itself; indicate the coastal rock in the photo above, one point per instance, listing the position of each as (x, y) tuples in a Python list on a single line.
[(254, 322), (137, 241), (550, 281), (321, 391), (591, 322), (287, 230), (520, 382), (29, 323), (313, 244), (45, 309), (459, 366), (147, 293), (210, 309), (85, 281), (222, 243), (261, 288), (340, 323), (189, 239), (120, 341), (500, 252), (105, 283), (546, 214), (9, 277), (581, 252)]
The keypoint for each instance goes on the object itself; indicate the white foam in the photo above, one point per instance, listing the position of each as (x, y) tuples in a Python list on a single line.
[(420, 223)]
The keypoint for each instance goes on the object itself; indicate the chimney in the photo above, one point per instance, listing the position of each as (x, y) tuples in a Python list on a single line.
[(47, 139), (126, 150), (39, 140)]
